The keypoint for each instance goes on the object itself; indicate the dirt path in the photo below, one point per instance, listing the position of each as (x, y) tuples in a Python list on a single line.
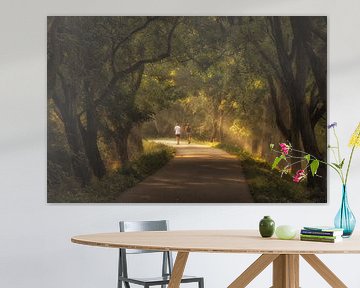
[(197, 174)]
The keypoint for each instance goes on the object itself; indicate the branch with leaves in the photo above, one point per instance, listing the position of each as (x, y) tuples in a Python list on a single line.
[(292, 156)]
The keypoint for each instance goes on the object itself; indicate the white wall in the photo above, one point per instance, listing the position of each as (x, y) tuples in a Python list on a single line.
[(35, 248)]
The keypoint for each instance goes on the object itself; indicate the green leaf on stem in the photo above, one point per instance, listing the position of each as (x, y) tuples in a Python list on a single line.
[(272, 146), (339, 166), (342, 163), (336, 165), (314, 165), (307, 157), (276, 162)]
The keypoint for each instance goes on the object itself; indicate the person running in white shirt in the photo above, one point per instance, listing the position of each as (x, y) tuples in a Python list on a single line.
[(177, 130)]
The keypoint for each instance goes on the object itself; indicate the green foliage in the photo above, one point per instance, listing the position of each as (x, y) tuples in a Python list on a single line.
[(155, 156), (265, 185), (314, 165), (277, 161), (340, 166), (112, 185)]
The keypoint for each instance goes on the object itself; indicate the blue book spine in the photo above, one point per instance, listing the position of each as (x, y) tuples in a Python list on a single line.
[(319, 233)]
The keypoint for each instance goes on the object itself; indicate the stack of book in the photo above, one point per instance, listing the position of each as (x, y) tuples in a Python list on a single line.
[(321, 234)]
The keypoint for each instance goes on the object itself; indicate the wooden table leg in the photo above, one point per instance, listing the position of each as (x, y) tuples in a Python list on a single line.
[(253, 270), (286, 271), (324, 271), (178, 269)]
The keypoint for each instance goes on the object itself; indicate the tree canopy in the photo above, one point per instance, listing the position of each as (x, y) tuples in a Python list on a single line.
[(248, 81)]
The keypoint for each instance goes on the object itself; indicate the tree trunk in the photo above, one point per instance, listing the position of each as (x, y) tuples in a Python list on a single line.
[(275, 95), (90, 136), (294, 80), (135, 140), (67, 109), (66, 104), (215, 130), (300, 26), (78, 158), (157, 128), (122, 149), (215, 120), (221, 128)]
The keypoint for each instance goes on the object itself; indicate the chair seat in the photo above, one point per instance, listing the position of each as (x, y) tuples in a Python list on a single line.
[(158, 280)]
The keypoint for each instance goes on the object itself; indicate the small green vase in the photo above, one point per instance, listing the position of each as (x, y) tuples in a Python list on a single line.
[(266, 226)]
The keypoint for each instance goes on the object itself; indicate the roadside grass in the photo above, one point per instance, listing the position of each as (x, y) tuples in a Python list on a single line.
[(266, 185), (106, 190)]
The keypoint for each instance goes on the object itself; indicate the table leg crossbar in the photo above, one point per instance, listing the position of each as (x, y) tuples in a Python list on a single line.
[(285, 271), (254, 269), (324, 271)]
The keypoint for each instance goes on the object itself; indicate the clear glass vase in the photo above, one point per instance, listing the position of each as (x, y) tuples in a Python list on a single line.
[(345, 219)]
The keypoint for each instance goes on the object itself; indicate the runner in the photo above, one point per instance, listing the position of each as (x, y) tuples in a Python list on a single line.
[(177, 130), (188, 132)]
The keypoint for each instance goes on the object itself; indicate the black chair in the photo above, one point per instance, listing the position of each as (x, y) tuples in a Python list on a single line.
[(167, 265)]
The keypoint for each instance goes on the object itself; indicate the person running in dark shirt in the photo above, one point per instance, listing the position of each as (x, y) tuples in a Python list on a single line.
[(188, 132)]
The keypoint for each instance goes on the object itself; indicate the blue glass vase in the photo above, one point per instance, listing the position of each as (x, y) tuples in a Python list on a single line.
[(345, 219)]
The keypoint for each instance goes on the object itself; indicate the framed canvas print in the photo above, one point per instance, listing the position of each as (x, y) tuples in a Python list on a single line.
[(147, 109)]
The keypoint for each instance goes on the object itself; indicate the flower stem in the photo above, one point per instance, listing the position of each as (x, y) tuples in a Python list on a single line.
[(338, 145), (333, 152), (350, 159), (348, 167), (335, 168), (339, 171), (339, 161)]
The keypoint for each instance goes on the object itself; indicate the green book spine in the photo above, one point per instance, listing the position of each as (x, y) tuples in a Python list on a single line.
[(319, 240), (318, 236)]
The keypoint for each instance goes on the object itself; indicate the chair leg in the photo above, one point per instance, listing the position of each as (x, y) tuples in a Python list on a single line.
[(201, 283)]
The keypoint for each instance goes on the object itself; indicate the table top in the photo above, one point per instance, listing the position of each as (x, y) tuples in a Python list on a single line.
[(217, 241)]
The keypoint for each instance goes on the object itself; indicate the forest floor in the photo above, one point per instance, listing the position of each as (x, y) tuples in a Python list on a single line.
[(197, 174)]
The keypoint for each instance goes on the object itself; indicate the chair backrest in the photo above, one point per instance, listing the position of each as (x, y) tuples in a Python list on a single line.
[(134, 226)]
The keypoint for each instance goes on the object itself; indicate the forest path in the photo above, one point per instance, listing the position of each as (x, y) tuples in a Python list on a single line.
[(197, 174)]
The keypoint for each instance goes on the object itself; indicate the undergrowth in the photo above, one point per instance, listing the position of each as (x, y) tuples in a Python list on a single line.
[(266, 185), (106, 190)]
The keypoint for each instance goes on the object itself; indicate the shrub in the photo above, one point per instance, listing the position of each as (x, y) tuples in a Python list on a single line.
[(109, 188), (265, 184)]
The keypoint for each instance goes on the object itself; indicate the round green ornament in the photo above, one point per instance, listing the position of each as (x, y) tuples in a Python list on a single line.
[(285, 232)]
